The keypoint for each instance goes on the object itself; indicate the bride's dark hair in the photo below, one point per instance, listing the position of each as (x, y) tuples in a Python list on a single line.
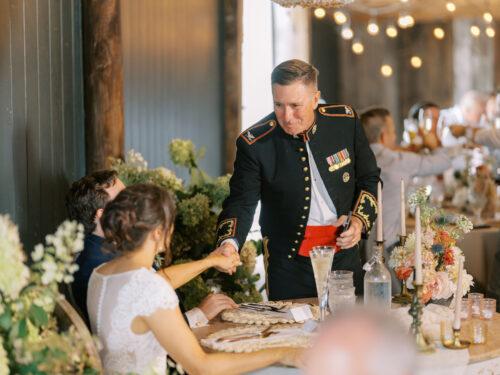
[(134, 213)]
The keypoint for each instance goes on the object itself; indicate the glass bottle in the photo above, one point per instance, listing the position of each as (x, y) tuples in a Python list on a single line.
[(377, 282)]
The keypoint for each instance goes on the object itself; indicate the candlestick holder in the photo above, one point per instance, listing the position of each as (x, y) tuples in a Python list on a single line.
[(405, 297), (422, 343), (457, 343)]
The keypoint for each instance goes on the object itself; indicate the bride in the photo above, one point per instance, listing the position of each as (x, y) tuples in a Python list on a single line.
[(134, 310)]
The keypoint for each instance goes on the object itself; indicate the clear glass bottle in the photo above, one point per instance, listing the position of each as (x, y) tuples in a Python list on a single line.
[(377, 282)]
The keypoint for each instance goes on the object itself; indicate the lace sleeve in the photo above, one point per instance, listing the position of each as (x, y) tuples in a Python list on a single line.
[(156, 294)]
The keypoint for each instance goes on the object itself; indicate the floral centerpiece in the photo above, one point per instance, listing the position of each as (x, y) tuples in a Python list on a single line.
[(30, 340), (199, 203), (440, 254)]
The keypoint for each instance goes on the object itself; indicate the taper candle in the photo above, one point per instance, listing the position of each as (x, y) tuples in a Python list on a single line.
[(403, 209), (418, 247), (380, 225), (458, 295)]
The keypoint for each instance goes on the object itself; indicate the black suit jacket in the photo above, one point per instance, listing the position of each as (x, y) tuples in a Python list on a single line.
[(273, 167)]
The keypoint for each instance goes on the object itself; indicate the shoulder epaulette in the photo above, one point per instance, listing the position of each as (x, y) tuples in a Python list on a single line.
[(336, 110), (258, 131)]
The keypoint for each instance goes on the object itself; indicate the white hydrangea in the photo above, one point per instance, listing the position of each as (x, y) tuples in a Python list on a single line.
[(135, 159), (4, 361), (464, 224), (167, 174), (14, 274)]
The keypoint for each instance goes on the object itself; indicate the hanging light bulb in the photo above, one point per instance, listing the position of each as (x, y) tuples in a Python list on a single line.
[(357, 47), (319, 13), (339, 17), (416, 62), (404, 1), (450, 6), (347, 32), (438, 33), (475, 31), (391, 31), (386, 70), (488, 18), (490, 32), (405, 21), (372, 27)]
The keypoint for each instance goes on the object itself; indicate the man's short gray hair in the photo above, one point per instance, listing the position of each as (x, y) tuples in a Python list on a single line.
[(374, 122), (472, 99)]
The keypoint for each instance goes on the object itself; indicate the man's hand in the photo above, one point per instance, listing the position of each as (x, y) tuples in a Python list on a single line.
[(431, 141), (226, 249), (351, 236), (213, 304)]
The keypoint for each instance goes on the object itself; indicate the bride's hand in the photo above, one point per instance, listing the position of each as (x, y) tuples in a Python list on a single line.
[(225, 263)]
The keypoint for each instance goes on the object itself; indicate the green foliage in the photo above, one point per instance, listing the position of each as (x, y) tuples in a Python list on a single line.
[(198, 206)]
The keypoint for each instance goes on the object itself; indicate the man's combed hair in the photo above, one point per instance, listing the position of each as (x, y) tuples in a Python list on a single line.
[(373, 121), (291, 71), (87, 195)]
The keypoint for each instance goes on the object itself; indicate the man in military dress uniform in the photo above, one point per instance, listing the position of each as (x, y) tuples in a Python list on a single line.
[(309, 166)]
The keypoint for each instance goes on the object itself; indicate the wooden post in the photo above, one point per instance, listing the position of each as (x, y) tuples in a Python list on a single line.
[(232, 31), (103, 82)]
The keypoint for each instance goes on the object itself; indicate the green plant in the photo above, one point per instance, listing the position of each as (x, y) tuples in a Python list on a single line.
[(199, 203), (30, 340)]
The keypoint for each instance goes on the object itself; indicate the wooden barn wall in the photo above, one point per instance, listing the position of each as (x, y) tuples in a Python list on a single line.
[(172, 78), (41, 112)]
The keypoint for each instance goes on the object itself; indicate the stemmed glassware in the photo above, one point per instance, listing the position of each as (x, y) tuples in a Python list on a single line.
[(322, 259)]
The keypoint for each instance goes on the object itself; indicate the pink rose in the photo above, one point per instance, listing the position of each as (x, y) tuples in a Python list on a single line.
[(441, 286)]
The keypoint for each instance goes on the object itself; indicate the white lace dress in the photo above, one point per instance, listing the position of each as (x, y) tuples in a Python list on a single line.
[(113, 301)]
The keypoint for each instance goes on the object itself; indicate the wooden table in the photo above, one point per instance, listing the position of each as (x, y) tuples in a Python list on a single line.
[(481, 357)]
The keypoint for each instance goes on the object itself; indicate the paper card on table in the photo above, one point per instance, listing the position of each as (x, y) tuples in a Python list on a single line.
[(301, 313), (310, 325)]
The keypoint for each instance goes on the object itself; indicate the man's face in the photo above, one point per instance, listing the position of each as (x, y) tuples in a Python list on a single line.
[(389, 133), (115, 189), (472, 115), (294, 106)]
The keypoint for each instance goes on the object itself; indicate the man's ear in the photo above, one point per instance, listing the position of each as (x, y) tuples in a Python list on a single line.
[(316, 98), (98, 214)]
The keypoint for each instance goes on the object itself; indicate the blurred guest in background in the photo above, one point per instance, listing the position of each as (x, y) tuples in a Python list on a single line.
[(361, 342), (457, 121), (427, 115), (396, 165)]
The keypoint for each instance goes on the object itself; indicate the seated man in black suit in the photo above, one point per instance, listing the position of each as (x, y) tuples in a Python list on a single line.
[(85, 203)]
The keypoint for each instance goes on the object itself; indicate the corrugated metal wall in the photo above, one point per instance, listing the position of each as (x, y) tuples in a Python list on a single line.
[(41, 112), (172, 77)]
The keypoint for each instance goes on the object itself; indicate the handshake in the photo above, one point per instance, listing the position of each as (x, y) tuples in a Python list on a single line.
[(225, 258)]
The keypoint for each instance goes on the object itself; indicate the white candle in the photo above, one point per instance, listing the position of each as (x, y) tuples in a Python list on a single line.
[(458, 296), (403, 208), (380, 226), (418, 248)]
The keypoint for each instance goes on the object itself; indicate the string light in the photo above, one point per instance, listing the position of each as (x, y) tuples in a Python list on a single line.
[(372, 27), (347, 32), (488, 18), (438, 33), (490, 32), (386, 70), (391, 31), (339, 17), (451, 7), (357, 47), (405, 21), (319, 13), (416, 62), (475, 31)]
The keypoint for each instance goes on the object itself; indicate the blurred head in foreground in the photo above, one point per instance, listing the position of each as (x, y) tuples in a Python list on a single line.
[(361, 342)]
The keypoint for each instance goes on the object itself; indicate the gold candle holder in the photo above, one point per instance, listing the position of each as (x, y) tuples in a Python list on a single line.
[(422, 343), (456, 343), (405, 297)]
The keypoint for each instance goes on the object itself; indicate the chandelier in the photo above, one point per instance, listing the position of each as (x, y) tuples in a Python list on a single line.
[(313, 3)]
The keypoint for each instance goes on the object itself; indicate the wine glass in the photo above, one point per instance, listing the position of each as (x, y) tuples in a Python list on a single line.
[(477, 198), (322, 259)]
